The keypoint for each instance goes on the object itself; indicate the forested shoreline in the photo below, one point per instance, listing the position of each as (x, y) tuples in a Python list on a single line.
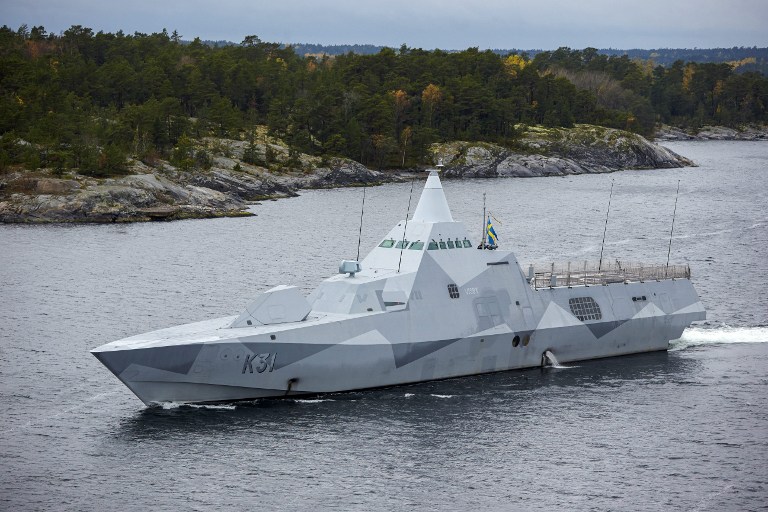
[(742, 59), (87, 101)]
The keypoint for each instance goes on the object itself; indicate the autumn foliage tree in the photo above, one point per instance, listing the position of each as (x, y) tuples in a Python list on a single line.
[(88, 100)]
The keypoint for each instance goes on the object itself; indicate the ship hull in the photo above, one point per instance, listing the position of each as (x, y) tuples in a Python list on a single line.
[(423, 305), (371, 351)]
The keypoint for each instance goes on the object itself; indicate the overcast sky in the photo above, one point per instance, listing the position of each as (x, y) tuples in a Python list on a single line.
[(448, 24)]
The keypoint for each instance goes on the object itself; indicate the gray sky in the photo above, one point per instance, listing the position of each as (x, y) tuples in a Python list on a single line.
[(448, 24)]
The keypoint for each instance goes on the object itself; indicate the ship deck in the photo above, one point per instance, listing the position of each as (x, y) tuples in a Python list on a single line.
[(552, 275)]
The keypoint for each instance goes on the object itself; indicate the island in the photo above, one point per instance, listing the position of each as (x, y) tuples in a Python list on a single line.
[(116, 127), (228, 184)]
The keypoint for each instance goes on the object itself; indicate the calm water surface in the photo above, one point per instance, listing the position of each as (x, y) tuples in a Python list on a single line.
[(683, 430)]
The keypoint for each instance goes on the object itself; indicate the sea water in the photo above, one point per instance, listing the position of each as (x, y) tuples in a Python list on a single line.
[(683, 430)]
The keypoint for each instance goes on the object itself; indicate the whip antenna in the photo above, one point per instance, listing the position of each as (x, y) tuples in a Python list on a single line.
[(402, 243), (360, 234), (602, 245), (672, 229)]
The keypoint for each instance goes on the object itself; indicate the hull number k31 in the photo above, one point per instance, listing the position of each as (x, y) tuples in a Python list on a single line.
[(261, 362)]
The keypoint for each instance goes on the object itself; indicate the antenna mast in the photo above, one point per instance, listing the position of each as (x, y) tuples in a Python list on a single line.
[(360, 233), (672, 229), (602, 245), (402, 243)]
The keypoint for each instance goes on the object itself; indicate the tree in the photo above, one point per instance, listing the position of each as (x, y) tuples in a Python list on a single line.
[(400, 103), (221, 116), (382, 145), (431, 97), (514, 64), (405, 139), (336, 145), (72, 96), (111, 161), (183, 154)]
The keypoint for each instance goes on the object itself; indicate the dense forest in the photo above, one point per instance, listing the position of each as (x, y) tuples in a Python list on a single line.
[(88, 100), (742, 58)]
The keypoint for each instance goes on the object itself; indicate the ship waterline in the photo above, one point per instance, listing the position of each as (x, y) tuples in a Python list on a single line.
[(422, 305)]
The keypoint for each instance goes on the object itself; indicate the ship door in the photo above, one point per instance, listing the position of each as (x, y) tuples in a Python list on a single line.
[(621, 305), (487, 312)]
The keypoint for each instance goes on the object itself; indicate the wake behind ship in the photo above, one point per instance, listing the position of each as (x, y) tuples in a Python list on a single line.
[(424, 304)]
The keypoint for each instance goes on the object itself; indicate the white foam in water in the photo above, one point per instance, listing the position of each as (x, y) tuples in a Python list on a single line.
[(409, 395), (227, 407), (695, 336), (554, 362), (176, 405), (443, 396)]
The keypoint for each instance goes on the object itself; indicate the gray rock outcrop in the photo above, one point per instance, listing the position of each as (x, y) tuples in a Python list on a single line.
[(230, 185), (748, 132), (165, 192), (557, 152)]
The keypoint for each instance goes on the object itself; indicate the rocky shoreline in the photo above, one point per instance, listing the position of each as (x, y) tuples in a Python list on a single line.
[(749, 132), (557, 152), (159, 191), (163, 192)]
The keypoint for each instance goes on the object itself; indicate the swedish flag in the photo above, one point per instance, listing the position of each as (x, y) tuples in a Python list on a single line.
[(493, 239)]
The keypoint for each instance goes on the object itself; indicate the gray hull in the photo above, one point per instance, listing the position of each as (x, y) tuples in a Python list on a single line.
[(409, 315)]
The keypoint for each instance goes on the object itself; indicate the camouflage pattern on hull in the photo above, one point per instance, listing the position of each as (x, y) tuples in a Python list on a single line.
[(425, 305)]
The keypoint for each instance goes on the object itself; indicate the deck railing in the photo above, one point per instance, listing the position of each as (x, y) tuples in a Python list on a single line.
[(591, 274)]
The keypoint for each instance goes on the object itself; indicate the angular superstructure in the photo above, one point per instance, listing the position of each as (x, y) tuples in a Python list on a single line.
[(424, 304)]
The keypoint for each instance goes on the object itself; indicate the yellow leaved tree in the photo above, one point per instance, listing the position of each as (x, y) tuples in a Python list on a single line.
[(514, 64)]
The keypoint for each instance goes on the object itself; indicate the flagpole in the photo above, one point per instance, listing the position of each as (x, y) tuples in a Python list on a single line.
[(482, 237)]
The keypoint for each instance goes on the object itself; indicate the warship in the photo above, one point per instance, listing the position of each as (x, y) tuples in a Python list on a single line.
[(424, 304)]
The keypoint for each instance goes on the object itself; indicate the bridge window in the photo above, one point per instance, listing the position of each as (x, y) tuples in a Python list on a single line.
[(387, 244), (417, 246), (401, 244), (432, 246), (458, 243), (451, 244), (442, 245), (585, 308), (467, 244), (453, 291)]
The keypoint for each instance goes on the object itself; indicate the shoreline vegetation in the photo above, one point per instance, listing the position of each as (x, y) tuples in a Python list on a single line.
[(113, 127), (158, 190)]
